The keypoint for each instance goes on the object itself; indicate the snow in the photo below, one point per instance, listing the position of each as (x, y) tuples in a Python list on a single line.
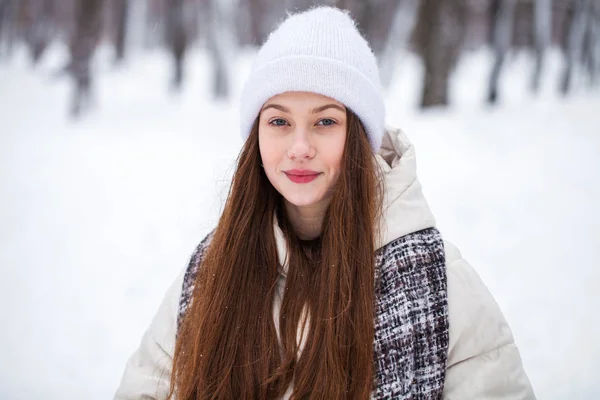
[(97, 217)]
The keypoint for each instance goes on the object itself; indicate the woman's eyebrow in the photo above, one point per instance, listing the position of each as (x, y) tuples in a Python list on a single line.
[(277, 107), (325, 107), (313, 111)]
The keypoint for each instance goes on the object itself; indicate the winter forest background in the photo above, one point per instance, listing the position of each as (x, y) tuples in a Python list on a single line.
[(119, 131), (439, 32)]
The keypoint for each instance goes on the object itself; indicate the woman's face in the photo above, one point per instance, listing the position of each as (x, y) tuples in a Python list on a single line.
[(301, 138)]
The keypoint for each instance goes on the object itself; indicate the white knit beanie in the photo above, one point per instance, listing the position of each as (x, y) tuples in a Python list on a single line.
[(319, 51)]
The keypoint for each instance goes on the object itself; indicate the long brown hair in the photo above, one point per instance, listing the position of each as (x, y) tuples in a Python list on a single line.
[(227, 346)]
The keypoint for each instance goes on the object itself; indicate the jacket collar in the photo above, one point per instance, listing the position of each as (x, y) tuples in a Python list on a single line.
[(405, 209)]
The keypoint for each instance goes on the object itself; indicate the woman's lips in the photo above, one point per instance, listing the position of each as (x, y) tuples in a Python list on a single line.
[(301, 176)]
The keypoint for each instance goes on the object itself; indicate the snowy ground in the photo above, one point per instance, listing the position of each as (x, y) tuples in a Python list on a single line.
[(98, 217)]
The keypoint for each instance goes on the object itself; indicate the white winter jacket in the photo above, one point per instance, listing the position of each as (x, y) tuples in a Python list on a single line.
[(483, 359)]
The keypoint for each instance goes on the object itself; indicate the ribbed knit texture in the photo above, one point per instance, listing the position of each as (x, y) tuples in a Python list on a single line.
[(319, 51), (411, 327)]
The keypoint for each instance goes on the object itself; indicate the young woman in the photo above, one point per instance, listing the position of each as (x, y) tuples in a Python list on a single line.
[(325, 277)]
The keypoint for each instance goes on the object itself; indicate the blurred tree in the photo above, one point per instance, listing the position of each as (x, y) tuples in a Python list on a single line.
[(523, 25), (477, 25), (121, 9), (574, 47), (373, 17), (256, 13), (438, 37), (503, 16), (561, 16), (7, 18), (363, 13), (591, 43), (221, 44), (65, 19), (36, 27), (88, 27), (542, 37), (154, 27), (595, 43), (264, 16), (4, 16), (403, 24), (298, 5), (243, 23), (177, 38)]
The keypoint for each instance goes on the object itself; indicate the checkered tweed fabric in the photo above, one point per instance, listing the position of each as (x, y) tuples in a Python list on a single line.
[(411, 329)]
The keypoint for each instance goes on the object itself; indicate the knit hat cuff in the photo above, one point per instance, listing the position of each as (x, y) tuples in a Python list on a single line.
[(320, 75)]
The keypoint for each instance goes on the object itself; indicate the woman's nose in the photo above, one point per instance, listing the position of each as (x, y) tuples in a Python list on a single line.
[(301, 146)]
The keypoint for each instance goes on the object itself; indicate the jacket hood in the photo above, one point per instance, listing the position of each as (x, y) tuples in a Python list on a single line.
[(405, 209)]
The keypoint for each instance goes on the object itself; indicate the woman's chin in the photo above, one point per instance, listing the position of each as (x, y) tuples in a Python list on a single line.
[(304, 199)]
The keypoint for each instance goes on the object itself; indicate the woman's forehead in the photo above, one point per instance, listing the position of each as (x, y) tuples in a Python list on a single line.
[(299, 101)]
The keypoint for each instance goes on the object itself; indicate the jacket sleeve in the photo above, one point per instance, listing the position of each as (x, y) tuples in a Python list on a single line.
[(148, 370), (483, 359)]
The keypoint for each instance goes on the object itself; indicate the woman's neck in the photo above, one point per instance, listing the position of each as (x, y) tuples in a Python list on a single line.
[(307, 221)]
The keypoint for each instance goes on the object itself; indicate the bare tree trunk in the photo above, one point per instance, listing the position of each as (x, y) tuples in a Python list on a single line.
[(591, 43), (542, 38), (404, 21), (298, 5), (264, 15), (121, 17), (177, 39), (595, 33), (374, 19), (6, 20), (24, 20), (362, 12), (4, 10), (574, 43), (439, 37), (220, 44), (502, 31), (36, 25), (255, 11), (147, 27), (83, 44), (244, 24)]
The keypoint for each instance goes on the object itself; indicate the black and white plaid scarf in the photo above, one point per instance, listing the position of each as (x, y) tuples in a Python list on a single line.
[(411, 330)]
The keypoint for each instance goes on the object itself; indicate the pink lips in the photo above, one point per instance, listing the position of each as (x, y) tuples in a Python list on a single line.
[(301, 175)]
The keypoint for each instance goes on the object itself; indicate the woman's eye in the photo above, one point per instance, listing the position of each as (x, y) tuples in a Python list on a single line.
[(278, 122), (327, 122)]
